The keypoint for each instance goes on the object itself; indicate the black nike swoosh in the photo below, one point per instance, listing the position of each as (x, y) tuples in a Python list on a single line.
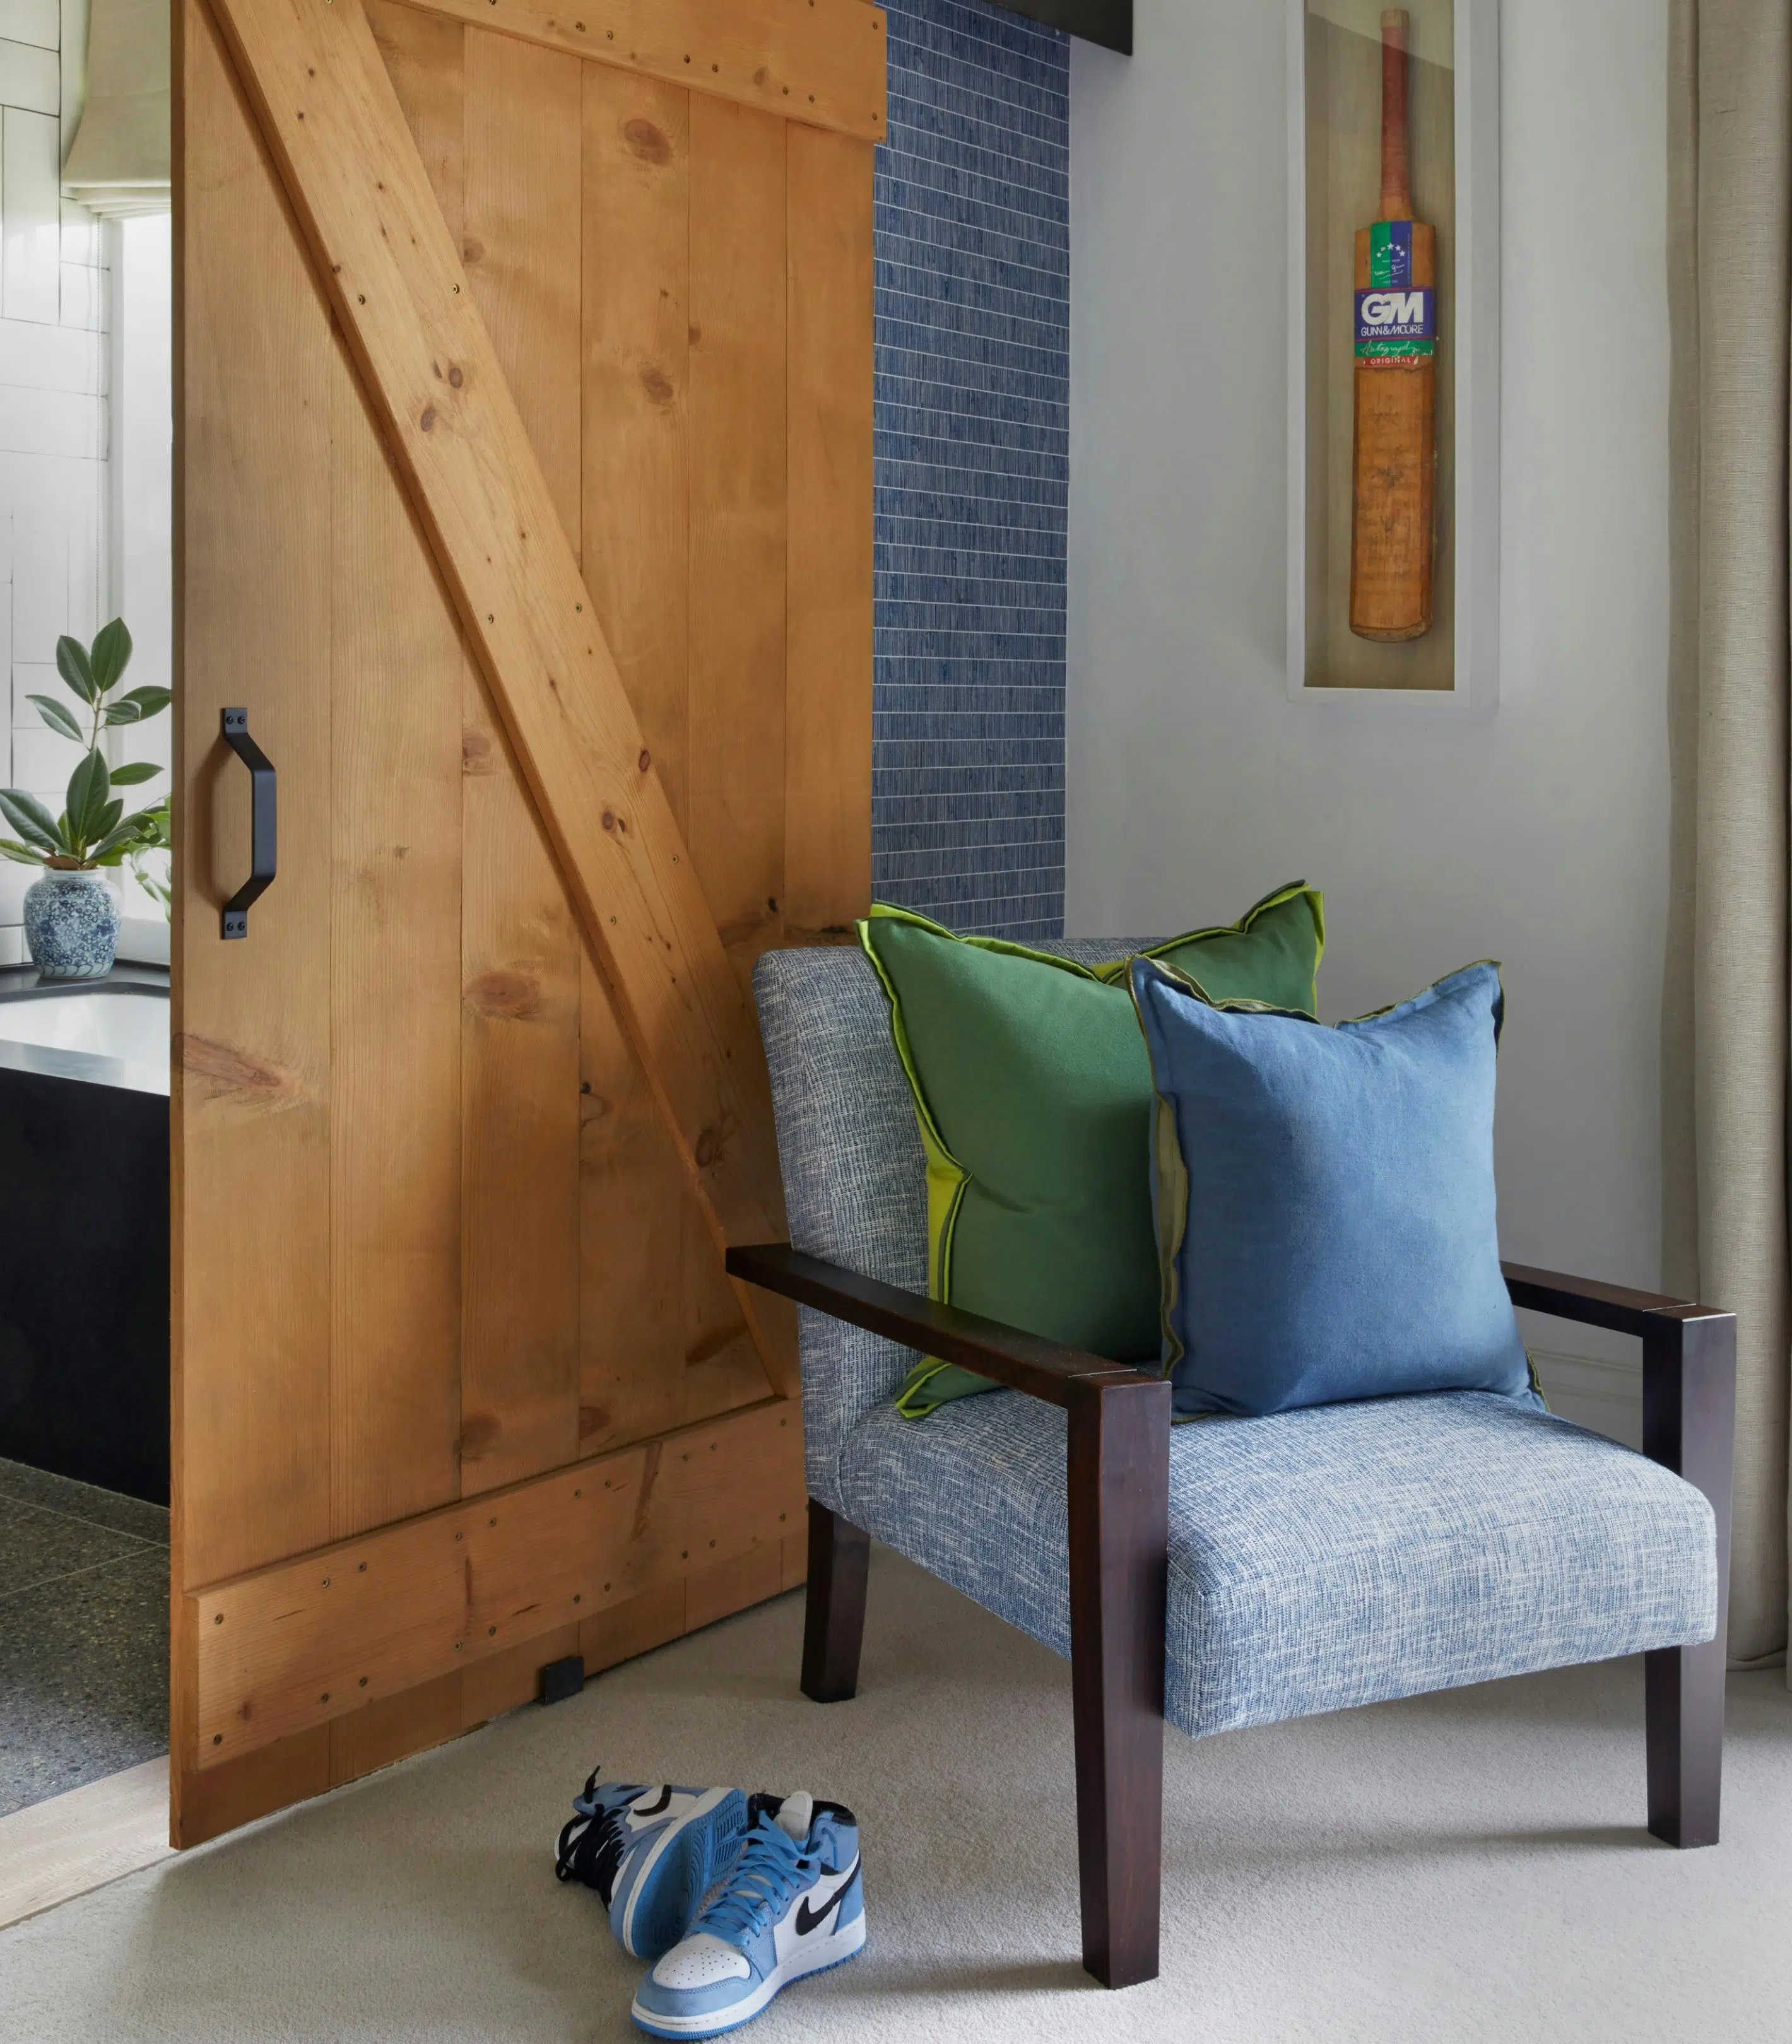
[(653, 1809), (806, 1922)]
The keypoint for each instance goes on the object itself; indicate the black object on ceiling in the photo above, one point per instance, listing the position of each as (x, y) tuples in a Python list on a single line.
[(1108, 22)]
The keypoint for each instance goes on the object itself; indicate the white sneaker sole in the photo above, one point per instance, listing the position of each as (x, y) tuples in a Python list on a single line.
[(831, 1951)]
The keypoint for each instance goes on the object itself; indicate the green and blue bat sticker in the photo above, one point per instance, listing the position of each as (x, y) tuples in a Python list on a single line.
[(1395, 317)]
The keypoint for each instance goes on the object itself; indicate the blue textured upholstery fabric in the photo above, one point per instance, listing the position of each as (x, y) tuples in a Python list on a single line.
[(1324, 1200), (1318, 1558)]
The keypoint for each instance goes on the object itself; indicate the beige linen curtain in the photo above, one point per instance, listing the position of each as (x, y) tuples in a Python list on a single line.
[(1726, 1015)]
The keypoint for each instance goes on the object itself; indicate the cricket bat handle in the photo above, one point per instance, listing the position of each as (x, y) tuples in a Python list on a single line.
[(1396, 172)]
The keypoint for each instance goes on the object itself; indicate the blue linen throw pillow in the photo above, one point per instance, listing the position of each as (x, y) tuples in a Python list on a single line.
[(1324, 1199)]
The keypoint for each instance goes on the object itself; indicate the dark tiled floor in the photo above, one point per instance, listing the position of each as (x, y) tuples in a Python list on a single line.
[(83, 1634)]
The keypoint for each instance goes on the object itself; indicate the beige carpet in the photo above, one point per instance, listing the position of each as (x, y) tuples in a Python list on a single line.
[(1462, 1867)]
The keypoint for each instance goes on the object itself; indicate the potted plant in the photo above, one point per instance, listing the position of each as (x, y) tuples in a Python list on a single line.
[(72, 915)]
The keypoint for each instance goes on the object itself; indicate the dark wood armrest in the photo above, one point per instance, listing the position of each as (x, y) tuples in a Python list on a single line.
[(1005, 1356), (1596, 1304)]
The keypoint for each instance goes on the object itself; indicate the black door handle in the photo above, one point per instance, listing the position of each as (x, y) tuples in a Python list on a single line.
[(263, 823)]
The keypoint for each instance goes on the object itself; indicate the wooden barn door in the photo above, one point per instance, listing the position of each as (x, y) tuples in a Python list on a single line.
[(523, 446)]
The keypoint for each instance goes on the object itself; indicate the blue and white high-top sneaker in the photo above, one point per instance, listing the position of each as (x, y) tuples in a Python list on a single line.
[(793, 1903), (652, 1853)]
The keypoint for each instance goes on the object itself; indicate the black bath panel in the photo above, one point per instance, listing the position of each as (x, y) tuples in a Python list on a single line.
[(84, 1282)]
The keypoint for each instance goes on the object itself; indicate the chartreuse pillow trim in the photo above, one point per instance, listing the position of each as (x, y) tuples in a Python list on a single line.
[(932, 1382)]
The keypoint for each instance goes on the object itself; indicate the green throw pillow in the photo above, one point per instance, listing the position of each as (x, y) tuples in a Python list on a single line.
[(1033, 1090)]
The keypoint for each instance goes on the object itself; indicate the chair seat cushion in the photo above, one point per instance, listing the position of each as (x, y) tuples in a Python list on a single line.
[(1320, 1558)]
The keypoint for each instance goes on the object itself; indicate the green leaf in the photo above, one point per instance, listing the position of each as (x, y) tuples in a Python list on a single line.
[(59, 717), (21, 853), (138, 769), (136, 705), (72, 665), (30, 818), (122, 840), (111, 654), (89, 787)]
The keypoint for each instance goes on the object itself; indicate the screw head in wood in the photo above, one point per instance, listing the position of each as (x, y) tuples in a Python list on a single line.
[(217, 1617), (218, 1738)]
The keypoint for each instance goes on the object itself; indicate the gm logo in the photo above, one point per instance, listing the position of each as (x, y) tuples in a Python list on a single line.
[(1405, 309), (1396, 322)]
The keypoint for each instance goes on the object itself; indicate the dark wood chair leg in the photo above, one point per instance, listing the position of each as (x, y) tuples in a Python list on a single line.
[(1119, 1482), (834, 1618), (1688, 1425)]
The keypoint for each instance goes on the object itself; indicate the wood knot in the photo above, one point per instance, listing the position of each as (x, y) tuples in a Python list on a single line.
[(472, 252), (712, 1144), (593, 1419), (475, 751), (644, 141), (609, 819), (479, 1433), (428, 417), (506, 996), (229, 1069), (646, 759), (657, 385), (455, 377), (694, 334)]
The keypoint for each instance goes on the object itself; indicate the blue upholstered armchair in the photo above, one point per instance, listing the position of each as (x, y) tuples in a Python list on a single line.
[(1235, 1572)]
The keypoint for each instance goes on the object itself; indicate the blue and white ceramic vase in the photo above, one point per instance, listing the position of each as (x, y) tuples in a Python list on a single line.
[(71, 924)]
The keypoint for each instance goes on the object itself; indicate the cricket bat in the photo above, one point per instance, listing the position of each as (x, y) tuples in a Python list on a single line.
[(1395, 457)]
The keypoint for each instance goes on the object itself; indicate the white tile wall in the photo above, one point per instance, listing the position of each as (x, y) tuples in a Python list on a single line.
[(30, 22), (54, 296)]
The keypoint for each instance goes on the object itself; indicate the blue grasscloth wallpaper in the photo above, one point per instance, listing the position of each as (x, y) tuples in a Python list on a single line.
[(972, 477)]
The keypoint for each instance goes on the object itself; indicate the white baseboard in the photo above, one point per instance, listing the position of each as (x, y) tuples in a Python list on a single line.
[(1595, 1392)]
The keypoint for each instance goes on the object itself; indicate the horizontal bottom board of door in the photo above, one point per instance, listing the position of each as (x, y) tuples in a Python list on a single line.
[(377, 1735), (290, 1648)]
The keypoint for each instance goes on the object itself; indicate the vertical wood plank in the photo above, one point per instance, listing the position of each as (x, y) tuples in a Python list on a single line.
[(519, 1126), (828, 700), (424, 54), (251, 1112), (396, 930), (636, 377), (662, 1343), (395, 726), (520, 949), (521, 239), (738, 383), (632, 1200)]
